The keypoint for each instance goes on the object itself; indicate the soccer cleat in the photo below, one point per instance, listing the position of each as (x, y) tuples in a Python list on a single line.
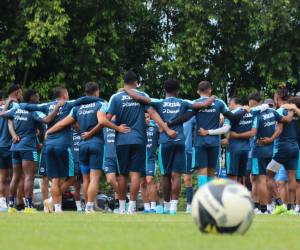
[(90, 211), (173, 212), (12, 210), (80, 210), (48, 206), (166, 211), (30, 210), (279, 209), (131, 211), (146, 212), (159, 209)]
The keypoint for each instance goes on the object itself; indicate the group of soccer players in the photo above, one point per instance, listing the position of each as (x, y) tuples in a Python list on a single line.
[(132, 134)]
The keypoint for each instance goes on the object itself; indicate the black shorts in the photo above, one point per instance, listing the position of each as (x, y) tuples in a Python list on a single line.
[(131, 158), (59, 161), (172, 158)]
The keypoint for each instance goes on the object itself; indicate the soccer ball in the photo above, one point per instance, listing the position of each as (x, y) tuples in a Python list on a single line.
[(222, 206)]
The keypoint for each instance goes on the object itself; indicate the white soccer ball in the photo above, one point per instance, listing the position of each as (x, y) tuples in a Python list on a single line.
[(222, 206)]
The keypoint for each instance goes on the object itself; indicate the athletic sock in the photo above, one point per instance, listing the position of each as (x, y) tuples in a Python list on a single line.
[(188, 207), (263, 208), (278, 202), (147, 206), (166, 205), (132, 206), (78, 205), (28, 202), (202, 180), (57, 208), (173, 206), (153, 205), (89, 206), (289, 206), (12, 201), (189, 195), (122, 207), (50, 199), (297, 208)]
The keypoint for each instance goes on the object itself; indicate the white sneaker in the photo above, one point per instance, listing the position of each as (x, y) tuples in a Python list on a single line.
[(256, 211), (271, 207), (3, 205), (90, 211), (131, 211)]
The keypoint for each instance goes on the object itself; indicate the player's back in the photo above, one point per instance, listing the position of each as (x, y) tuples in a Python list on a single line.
[(132, 113), (86, 116), (169, 109), (289, 135), (246, 123), (5, 137)]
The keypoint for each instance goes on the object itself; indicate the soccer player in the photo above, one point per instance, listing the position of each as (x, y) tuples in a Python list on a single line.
[(286, 154), (239, 141), (172, 150), (207, 146), (14, 96), (268, 128), (148, 186), (58, 145), (110, 165), (24, 149), (189, 129), (131, 147), (91, 150)]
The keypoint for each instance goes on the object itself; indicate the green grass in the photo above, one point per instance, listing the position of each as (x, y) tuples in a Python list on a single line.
[(108, 231)]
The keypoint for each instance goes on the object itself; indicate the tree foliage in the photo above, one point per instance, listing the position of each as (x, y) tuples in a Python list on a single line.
[(239, 45)]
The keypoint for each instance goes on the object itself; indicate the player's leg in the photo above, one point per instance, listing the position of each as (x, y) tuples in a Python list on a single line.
[(16, 176), (212, 161), (145, 195), (291, 167), (5, 165), (137, 166), (77, 186), (29, 163), (262, 184), (92, 189), (29, 173), (201, 163), (273, 168), (178, 163), (123, 156), (297, 208), (165, 170), (152, 191), (255, 182), (187, 179)]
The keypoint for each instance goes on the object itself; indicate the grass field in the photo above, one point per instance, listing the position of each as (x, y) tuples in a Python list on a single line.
[(109, 231)]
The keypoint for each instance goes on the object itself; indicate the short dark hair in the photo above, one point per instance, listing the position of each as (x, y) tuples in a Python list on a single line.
[(295, 100), (204, 86), (236, 100), (59, 91), (91, 87), (13, 88), (130, 77), (29, 93), (282, 92), (1, 95), (255, 96), (171, 85)]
